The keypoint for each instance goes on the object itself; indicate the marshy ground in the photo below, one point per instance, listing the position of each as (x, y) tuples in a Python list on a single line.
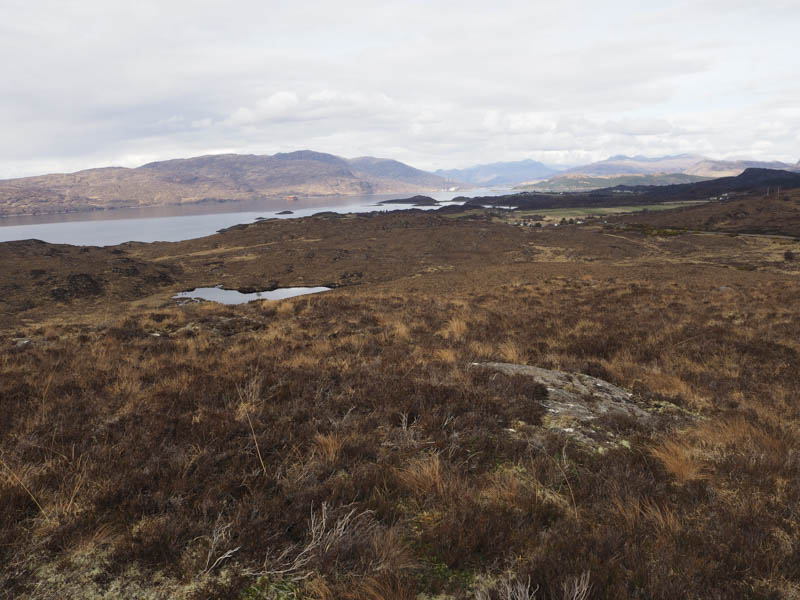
[(345, 445)]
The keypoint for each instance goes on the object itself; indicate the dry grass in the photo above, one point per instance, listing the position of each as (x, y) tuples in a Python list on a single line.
[(425, 477), (680, 460), (509, 351), (455, 329), (343, 448), (328, 447)]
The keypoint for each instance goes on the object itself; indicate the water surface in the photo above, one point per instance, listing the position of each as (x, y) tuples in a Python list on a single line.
[(223, 296), (176, 223)]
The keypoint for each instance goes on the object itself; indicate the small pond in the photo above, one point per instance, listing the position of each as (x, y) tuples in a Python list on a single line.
[(218, 294)]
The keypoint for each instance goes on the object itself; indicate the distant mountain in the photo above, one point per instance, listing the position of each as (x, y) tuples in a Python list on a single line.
[(384, 172), (728, 168), (212, 178), (638, 165), (752, 181), (688, 164), (500, 173), (583, 183)]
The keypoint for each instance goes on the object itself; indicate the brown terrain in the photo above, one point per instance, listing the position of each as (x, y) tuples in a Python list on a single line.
[(777, 213), (211, 179), (388, 439)]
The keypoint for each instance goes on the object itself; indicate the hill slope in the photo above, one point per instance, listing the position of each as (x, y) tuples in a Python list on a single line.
[(500, 173), (723, 168), (403, 436), (211, 178), (384, 173), (688, 164), (774, 214), (752, 181), (583, 183), (638, 165)]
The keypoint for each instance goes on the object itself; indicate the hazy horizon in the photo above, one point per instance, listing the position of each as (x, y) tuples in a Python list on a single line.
[(439, 85)]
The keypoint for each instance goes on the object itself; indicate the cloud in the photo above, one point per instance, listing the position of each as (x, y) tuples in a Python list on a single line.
[(437, 84), (277, 106)]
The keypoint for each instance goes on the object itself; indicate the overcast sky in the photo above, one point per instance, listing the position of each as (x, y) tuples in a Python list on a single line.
[(89, 83)]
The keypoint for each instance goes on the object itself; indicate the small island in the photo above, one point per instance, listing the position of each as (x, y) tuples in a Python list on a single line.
[(414, 201)]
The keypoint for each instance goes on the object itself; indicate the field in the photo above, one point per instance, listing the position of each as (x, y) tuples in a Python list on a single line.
[(373, 442)]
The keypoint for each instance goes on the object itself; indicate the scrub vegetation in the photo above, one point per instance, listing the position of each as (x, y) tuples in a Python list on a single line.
[(347, 445)]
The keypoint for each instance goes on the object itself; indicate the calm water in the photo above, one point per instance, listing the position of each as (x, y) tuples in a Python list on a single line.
[(218, 294), (176, 223)]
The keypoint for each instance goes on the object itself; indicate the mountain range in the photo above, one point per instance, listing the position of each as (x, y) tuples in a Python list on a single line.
[(752, 181), (643, 170), (213, 178), (228, 177), (638, 165), (500, 173), (628, 170)]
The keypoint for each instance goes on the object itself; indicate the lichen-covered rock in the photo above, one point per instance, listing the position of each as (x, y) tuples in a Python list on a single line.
[(578, 404)]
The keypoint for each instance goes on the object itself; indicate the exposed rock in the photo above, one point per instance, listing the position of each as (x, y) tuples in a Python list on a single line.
[(579, 404)]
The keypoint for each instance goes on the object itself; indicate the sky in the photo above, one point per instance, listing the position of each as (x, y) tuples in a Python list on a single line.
[(90, 83)]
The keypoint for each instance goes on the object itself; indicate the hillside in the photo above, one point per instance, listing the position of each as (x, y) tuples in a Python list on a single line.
[(211, 178), (579, 183), (637, 165), (687, 164), (388, 175), (749, 181), (752, 181), (500, 173), (477, 411), (726, 168), (777, 213)]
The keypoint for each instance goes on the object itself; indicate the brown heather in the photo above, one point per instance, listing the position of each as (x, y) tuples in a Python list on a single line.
[(341, 446)]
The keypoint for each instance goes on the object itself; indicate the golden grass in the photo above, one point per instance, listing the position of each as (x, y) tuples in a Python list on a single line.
[(445, 355), (328, 446), (680, 460), (455, 329), (367, 403), (510, 351), (425, 477)]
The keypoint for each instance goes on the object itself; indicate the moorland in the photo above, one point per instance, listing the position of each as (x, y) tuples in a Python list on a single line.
[(385, 439)]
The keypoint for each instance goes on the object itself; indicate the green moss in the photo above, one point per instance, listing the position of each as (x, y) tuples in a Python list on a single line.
[(267, 589), (435, 574)]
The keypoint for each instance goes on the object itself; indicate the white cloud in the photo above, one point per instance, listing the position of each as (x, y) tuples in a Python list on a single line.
[(437, 84), (277, 106)]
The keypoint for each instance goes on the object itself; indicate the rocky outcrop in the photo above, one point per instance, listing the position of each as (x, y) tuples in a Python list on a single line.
[(585, 407)]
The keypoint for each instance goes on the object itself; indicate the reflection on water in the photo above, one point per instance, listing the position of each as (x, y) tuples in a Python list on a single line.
[(218, 294), (176, 223)]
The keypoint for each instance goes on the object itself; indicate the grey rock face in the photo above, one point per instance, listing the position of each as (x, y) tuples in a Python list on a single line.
[(575, 401)]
